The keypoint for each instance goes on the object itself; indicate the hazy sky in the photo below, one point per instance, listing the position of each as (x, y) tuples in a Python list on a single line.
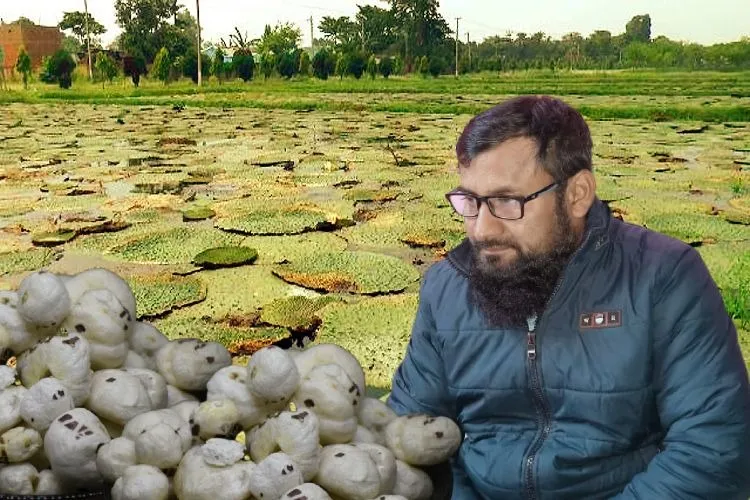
[(702, 21)]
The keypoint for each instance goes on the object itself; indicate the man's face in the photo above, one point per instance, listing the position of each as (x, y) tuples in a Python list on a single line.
[(516, 263)]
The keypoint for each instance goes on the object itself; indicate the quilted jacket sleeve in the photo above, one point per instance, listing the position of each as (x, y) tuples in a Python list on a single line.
[(419, 384), (702, 392)]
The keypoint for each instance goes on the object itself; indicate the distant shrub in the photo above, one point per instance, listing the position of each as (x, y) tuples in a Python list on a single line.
[(243, 63), (323, 64), (386, 66), (23, 66), (134, 67), (60, 68), (304, 64), (372, 66), (162, 65), (106, 69), (287, 65)]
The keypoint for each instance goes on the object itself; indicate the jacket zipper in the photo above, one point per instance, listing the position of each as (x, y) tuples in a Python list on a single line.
[(544, 417)]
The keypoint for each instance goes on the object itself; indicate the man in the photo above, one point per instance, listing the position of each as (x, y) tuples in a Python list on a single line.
[(582, 357)]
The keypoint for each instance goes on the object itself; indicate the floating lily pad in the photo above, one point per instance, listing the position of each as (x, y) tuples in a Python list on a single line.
[(157, 295), (194, 180), (355, 272), (172, 246), (214, 258), (697, 228), (375, 195), (53, 238), (423, 239), (296, 313), (168, 187), (30, 260), (290, 220), (375, 330), (737, 217), (196, 213)]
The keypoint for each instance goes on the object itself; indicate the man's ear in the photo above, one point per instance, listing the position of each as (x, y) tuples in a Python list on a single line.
[(580, 193)]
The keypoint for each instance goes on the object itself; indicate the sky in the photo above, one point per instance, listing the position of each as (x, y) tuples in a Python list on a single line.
[(702, 21)]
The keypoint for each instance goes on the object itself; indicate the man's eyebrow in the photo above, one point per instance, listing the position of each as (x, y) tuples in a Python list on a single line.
[(494, 192)]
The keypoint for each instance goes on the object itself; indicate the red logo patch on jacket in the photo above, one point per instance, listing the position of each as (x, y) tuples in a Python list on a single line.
[(600, 319)]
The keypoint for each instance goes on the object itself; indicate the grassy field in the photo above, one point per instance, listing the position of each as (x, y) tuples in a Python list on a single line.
[(338, 187)]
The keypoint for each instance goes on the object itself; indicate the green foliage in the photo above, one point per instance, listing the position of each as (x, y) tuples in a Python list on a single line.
[(162, 65), (297, 313), (76, 23), (386, 66), (158, 294), (190, 65), (243, 63), (287, 65), (60, 67), (105, 67), (638, 29), (134, 67), (228, 256), (372, 67), (355, 63), (218, 66), (29, 260), (267, 64), (324, 64), (147, 26), (304, 64), (282, 38), (23, 66)]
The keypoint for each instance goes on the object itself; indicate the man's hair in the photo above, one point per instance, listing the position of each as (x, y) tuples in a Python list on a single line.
[(560, 132)]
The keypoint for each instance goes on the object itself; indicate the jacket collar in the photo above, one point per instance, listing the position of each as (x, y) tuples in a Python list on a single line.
[(595, 237)]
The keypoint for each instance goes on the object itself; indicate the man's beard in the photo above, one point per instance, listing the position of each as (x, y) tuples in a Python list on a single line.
[(510, 294)]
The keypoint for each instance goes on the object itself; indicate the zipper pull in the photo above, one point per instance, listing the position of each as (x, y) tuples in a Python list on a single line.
[(531, 339)]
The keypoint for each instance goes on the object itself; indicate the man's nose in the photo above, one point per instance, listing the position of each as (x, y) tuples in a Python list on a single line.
[(486, 225)]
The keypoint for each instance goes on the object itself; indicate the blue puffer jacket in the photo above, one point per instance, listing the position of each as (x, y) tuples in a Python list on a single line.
[(635, 387)]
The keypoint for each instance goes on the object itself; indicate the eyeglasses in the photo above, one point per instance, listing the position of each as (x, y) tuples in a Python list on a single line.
[(502, 207)]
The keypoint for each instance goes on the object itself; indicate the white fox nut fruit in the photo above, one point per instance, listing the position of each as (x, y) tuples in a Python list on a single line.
[(189, 364), (44, 402), (423, 440), (18, 479), (113, 458), (229, 383), (215, 419), (19, 444), (349, 472), (412, 483), (71, 443), (43, 300), (134, 360), (384, 460), (375, 416), (7, 376), (323, 354), (155, 385), (176, 396), (306, 491), (185, 409), (145, 340), (161, 438), (66, 357), (274, 475), (294, 433), (10, 406), (99, 316), (390, 497), (222, 452), (272, 376), (49, 484), (15, 335), (365, 435), (333, 396), (140, 482), (118, 396), (100, 279), (195, 479)]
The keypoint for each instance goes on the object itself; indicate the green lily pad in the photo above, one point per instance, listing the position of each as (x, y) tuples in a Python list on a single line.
[(172, 246), (355, 272), (291, 220), (53, 238), (737, 217), (697, 228), (376, 195), (375, 330), (214, 258), (196, 179), (197, 213), (296, 313), (30, 260), (157, 295)]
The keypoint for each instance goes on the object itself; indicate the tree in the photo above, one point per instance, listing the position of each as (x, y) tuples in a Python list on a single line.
[(420, 26), (23, 66), (106, 68), (76, 23), (638, 29), (372, 66), (60, 67), (340, 66), (341, 32), (378, 28), (267, 64), (287, 65), (218, 66), (134, 67), (190, 65), (284, 37), (324, 64), (386, 66), (243, 63), (304, 64), (144, 23), (162, 65)]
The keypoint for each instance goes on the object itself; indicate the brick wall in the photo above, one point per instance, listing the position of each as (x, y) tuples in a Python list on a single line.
[(39, 42)]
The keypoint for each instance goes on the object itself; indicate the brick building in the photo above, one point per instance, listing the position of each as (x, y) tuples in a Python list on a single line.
[(39, 42)]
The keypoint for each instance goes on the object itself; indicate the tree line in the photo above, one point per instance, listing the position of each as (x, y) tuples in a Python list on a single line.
[(406, 36)]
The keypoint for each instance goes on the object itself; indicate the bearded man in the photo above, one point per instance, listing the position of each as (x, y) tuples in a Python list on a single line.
[(583, 357)]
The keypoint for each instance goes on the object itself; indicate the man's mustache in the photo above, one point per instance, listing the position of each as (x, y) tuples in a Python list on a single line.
[(496, 243)]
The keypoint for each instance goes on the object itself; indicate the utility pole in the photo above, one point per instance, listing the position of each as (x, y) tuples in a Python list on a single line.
[(88, 37), (198, 18), (457, 19), (312, 36), (468, 46)]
